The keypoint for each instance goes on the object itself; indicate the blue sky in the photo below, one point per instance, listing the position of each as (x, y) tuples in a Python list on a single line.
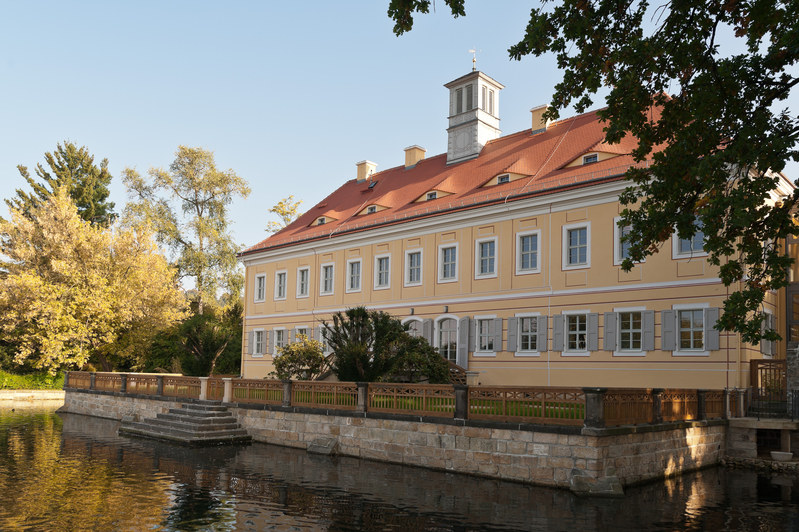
[(290, 95)]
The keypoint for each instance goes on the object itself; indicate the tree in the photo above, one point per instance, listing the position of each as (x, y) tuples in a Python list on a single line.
[(72, 168), (74, 292), (287, 210), (417, 361), (199, 235), (716, 142), (301, 360)]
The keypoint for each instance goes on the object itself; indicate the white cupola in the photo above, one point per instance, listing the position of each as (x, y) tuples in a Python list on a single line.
[(473, 115)]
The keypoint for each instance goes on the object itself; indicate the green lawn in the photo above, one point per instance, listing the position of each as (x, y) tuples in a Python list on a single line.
[(31, 381)]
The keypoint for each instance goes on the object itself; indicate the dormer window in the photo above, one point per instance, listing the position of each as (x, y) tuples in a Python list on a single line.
[(588, 159), (504, 178), (321, 221), (432, 195), (371, 209)]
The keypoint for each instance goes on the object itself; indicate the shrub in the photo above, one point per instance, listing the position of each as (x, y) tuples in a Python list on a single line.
[(32, 381), (300, 360)]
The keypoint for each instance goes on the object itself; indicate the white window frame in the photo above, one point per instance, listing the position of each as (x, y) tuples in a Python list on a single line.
[(628, 353), (565, 246), (503, 178), (437, 332), (566, 352), (371, 209), (300, 293), (413, 319), (255, 298), (297, 332), (348, 288), (281, 287), (484, 352), (685, 352), (675, 248), (408, 253), (283, 331), (478, 258), (387, 284), (321, 220), (322, 291), (431, 195), (519, 236), (588, 156), (519, 352), (258, 353), (440, 272)]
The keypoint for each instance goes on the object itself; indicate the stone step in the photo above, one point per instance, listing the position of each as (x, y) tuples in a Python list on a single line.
[(182, 439), (175, 416), (205, 406), (199, 414), (182, 432), (198, 427)]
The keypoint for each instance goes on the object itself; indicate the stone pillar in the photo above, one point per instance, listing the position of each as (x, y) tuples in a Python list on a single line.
[(92, 376), (595, 407), (461, 401), (66, 379), (123, 383), (726, 402), (203, 388), (287, 392), (159, 388), (657, 405), (741, 402), (227, 397), (363, 394), (471, 378), (701, 404)]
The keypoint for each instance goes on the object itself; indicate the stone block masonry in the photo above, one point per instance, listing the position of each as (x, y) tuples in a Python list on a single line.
[(533, 454)]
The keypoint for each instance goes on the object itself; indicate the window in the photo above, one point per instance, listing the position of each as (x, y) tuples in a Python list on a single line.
[(303, 277), (576, 246), (630, 331), (469, 97), (491, 102), (485, 336), (415, 328), (527, 253), (528, 333), (321, 220), (448, 339), (588, 159), (413, 268), (371, 209), (484, 99), (432, 195), (258, 342), (280, 285), (447, 267), (621, 250), (327, 279), (354, 275), (504, 178), (300, 331), (691, 329), (577, 332), (382, 272), (280, 340), (485, 259), (260, 288), (458, 101), (693, 245)]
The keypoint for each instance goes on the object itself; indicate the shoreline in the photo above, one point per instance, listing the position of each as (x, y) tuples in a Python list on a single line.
[(31, 398)]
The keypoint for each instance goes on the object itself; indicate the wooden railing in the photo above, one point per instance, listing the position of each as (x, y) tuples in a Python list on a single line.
[(186, 387), (142, 384), (266, 392), (315, 394), (418, 399), (679, 405), (108, 382), (714, 404), (80, 380), (628, 406), (559, 406), (216, 389)]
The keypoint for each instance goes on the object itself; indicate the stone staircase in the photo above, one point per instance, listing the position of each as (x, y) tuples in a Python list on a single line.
[(196, 424)]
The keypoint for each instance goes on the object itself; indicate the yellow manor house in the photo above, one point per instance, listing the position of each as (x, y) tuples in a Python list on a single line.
[(505, 254)]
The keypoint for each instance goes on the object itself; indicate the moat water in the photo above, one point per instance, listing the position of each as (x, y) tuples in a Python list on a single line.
[(72, 472)]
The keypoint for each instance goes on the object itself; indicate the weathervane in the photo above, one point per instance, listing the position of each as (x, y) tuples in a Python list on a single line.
[(474, 59)]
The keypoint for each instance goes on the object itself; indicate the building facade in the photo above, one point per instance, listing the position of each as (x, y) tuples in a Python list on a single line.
[(505, 253)]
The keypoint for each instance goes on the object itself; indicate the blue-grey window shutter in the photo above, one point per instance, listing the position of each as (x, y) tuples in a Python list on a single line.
[(292, 335), (251, 343), (711, 333), (609, 336), (668, 334), (772, 322), (648, 326), (557, 332), (593, 331), (472, 327), (270, 341), (427, 330), (513, 325), (462, 355), (497, 334), (541, 341)]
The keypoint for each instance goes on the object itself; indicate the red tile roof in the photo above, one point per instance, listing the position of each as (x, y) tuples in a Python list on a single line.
[(542, 157)]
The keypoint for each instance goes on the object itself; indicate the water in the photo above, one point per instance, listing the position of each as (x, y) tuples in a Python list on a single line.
[(71, 472)]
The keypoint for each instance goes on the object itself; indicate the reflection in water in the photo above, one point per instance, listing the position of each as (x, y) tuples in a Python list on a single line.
[(74, 473)]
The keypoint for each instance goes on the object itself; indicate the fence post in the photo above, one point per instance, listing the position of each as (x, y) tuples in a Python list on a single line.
[(227, 396), (287, 392), (66, 379), (461, 401), (742, 402), (657, 405), (595, 407), (701, 404), (159, 387), (203, 388), (363, 394), (123, 383), (91, 380), (726, 404)]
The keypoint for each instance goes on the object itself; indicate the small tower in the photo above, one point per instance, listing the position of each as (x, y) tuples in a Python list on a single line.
[(473, 115)]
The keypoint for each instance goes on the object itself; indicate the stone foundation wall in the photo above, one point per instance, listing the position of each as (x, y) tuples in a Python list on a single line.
[(532, 454)]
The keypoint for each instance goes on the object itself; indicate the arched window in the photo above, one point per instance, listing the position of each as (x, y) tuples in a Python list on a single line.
[(414, 327), (448, 338)]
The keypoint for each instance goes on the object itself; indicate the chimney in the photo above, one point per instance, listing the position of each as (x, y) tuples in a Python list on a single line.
[(413, 154), (539, 124), (365, 169)]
